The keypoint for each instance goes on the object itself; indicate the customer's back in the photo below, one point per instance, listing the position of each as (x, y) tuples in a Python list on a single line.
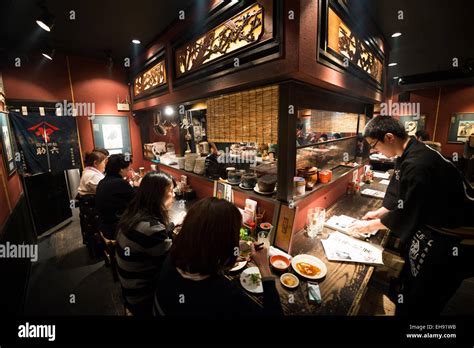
[(191, 282), (113, 194)]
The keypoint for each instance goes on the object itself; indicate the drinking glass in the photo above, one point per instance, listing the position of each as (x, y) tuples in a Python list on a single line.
[(315, 221), (264, 237)]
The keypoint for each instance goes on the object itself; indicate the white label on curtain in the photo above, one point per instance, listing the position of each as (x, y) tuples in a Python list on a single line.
[(41, 110), (24, 110)]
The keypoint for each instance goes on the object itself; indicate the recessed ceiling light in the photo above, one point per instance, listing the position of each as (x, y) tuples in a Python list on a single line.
[(397, 34), (46, 20), (396, 77), (136, 42), (392, 64), (49, 54)]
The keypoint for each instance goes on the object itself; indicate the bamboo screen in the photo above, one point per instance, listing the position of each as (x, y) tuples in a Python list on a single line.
[(249, 116)]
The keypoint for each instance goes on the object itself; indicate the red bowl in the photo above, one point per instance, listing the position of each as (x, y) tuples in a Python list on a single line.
[(279, 262)]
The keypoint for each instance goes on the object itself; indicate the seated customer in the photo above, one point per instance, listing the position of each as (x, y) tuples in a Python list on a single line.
[(143, 241), (113, 194), (191, 282), (424, 137), (95, 162)]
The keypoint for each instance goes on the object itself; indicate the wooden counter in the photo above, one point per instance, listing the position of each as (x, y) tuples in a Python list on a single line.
[(345, 283)]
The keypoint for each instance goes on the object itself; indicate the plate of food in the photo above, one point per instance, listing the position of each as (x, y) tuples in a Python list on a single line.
[(309, 266), (238, 266), (251, 280)]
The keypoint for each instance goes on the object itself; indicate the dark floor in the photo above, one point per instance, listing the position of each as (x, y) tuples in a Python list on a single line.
[(66, 280)]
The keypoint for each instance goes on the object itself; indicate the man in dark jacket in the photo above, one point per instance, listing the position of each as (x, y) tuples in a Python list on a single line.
[(114, 193), (429, 207)]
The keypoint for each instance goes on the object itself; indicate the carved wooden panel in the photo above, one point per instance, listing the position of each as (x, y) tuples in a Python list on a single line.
[(240, 31), (151, 78), (343, 41)]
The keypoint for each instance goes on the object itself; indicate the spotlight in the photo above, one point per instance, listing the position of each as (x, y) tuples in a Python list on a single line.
[(48, 53), (397, 34), (392, 64), (136, 41), (46, 20), (169, 111), (395, 77)]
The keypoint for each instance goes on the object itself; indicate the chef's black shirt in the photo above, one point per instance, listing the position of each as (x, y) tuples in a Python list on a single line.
[(425, 189)]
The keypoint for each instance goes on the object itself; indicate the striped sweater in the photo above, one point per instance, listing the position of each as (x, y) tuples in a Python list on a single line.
[(140, 254)]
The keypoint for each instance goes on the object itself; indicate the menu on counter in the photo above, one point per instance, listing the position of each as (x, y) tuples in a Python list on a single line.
[(340, 247), (341, 223), (372, 193), (380, 175)]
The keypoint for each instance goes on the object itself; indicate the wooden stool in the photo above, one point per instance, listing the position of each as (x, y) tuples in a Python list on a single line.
[(109, 252)]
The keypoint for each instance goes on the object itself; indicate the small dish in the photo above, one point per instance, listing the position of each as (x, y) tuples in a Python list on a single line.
[(289, 280), (279, 263), (245, 188), (263, 193)]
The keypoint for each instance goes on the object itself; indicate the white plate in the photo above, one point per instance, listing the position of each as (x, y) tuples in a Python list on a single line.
[(263, 193), (312, 260), (244, 188), (245, 280), (238, 266), (232, 183)]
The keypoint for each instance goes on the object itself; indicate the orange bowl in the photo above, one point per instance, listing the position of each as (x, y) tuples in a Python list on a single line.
[(280, 263)]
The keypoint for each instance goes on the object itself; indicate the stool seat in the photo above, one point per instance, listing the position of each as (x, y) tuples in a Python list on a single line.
[(109, 252)]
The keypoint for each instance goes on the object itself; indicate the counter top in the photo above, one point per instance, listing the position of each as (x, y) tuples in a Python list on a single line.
[(345, 283)]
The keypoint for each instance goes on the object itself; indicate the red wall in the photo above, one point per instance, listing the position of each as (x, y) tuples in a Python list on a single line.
[(452, 99), (10, 187), (92, 82)]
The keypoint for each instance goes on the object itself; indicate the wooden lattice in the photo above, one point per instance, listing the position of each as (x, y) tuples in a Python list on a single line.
[(249, 116)]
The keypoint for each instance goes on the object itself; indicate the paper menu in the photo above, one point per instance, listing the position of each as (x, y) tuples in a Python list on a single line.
[(385, 182), (340, 247), (342, 222), (380, 175), (373, 193)]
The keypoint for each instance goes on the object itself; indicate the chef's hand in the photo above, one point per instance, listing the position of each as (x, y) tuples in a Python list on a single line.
[(371, 215), (362, 226), (375, 214)]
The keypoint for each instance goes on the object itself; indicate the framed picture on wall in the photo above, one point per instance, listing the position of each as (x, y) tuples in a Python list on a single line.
[(112, 133), (8, 152), (461, 126)]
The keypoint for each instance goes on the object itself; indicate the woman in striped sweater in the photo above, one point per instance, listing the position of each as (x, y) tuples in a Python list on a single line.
[(143, 241)]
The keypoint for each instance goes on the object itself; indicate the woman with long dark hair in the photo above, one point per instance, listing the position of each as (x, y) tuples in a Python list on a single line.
[(143, 240), (191, 282)]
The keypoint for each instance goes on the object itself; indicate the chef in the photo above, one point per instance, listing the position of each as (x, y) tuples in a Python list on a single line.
[(430, 208)]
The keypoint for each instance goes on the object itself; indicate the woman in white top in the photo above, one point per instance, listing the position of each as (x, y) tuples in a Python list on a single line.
[(95, 162)]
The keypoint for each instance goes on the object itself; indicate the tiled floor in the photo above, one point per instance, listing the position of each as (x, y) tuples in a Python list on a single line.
[(67, 281)]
